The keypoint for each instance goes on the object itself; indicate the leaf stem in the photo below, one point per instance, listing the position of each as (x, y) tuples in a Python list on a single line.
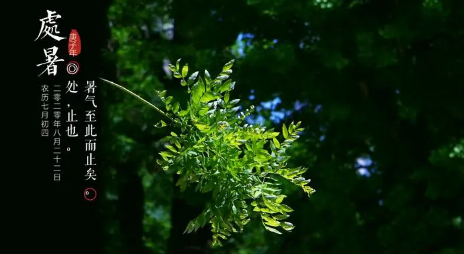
[(138, 97)]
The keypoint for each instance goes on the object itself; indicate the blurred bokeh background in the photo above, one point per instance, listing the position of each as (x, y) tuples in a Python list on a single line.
[(378, 85)]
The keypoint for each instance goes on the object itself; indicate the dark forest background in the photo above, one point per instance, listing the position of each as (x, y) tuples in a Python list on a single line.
[(378, 85)]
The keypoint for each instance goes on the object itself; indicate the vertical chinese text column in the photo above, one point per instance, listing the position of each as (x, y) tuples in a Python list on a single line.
[(90, 132), (49, 29), (56, 132)]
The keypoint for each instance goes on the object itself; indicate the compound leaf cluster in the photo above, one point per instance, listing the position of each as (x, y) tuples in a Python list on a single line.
[(216, 151)]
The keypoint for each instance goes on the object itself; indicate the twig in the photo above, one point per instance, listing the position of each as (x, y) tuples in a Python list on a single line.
[(138, 97)]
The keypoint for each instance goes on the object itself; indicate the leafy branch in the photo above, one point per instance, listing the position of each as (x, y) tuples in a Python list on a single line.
[(241, 164)]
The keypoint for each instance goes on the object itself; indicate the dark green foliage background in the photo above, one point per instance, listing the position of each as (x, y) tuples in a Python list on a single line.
[(388, 76)]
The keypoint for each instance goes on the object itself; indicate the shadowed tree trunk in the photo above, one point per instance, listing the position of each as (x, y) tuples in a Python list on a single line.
[(181, 213), (129, 210), (131, 206)]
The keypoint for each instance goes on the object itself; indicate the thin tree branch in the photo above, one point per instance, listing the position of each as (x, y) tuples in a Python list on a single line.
[(138, 97)]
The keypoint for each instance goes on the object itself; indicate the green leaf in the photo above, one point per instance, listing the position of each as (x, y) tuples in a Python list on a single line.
[(197, 91), (226, 86), (228, 72), (228, 65), (291, 128), (161, 124), (203, 111), (172, 68), (279, 199), (171, 148), (207, 77), (202, 127), (272, 206), (183, 112), (262, 156), (215, 83), (165, 154), (190, 227), (162, 93), (176, 107), (233, 102), (272, 223), (178, 64), (173, 134), (209, 96), (192, 78), (282, 216), (286, 208), (185, 70), (222, 77), (276, 142), (210, 112), (216, 243), (284, 131), (177, 75), (183, 83), (160, 162), (271, 134), (270, 197), (287, 226), (168, 100), (273, 230), (201, 219), (226, 97), (234, 109)]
